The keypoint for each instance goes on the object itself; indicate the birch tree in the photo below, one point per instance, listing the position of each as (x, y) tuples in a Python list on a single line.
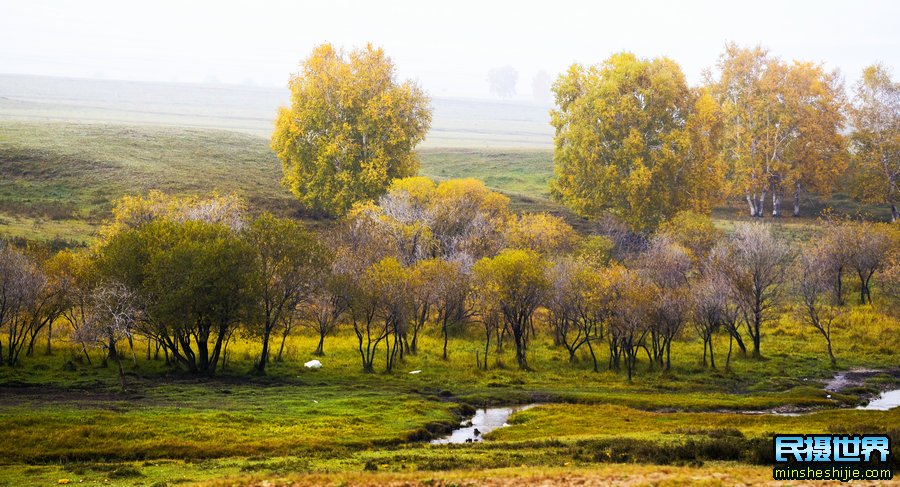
[(876, 138), (783, 127)]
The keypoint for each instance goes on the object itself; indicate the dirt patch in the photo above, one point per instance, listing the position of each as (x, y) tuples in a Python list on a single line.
[(44, 396)]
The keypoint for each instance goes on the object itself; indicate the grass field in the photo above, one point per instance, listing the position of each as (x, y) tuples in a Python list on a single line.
[(78, 425), (59, 179)]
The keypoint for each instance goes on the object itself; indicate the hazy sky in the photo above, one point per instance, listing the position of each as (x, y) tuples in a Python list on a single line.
[(447, 46)]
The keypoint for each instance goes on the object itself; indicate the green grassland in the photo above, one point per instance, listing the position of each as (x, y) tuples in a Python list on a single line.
[(60, 423), (60, 179)]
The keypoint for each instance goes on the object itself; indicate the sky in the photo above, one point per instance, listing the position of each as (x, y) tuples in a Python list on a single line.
[(447, 47)]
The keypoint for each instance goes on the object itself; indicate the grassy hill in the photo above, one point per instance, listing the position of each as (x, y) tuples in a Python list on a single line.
[(59, 179)]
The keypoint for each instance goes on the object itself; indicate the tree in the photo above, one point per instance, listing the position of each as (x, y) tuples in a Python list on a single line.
[(485, 303), (753, 263), (783, 126), (379, 310), (197, 282), (711, 310), (287, 257), (48, 303), (891, 285), (811, 288), (541, 86), (627, 135), (870, 246), (631, 312), (502, 81), (595, 250), (114, 310), (443, 287), (351, 128), (133, 212), (324, 308), (77, 272), (694, 232), (876, 138), (517, 279), (666, 265), (458, 220), (572, 302), (835, 249), (542, 232), (21, 285)]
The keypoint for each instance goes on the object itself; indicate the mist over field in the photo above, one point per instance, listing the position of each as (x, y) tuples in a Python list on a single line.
[(458, 122)]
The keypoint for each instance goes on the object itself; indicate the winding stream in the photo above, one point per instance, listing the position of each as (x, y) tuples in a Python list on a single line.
[(486, 420)]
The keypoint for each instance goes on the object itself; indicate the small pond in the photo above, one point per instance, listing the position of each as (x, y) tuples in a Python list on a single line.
[(484, 421)]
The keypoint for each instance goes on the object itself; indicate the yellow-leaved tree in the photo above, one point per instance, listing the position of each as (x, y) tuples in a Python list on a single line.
[(633, 140), (876, 138), (783, 127), (351, 128)]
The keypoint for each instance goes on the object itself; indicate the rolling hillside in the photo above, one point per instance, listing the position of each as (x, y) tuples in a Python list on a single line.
[(59, 179)]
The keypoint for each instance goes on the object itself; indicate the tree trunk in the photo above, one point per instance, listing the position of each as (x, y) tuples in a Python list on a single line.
[(133, 355), (487, 347), (754, 206), (797, 199), (264, 355), (895, 215), (712, 358), (830, 352), (728, 359), (281, 349), (761, 204), (49, 337), (862, 288), (444, 332), (776, 200), (736, 336), (320, 348), (593, 355), (757, 320), (705, 344), (113, 353), (121, 371)]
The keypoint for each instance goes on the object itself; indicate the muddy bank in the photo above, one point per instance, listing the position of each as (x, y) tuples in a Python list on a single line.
[(857, 378)]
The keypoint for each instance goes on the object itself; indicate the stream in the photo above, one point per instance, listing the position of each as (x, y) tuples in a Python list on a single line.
[(484, 421), (889, 399)]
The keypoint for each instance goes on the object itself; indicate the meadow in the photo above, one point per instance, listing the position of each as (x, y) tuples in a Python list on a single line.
[(66, 419)]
